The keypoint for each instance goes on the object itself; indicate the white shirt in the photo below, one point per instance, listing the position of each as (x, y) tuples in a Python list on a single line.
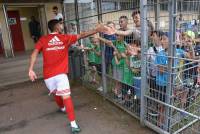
[(151, 56), (58, 16)]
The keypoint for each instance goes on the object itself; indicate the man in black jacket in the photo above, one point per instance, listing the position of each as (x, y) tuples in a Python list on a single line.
[(34, 27)]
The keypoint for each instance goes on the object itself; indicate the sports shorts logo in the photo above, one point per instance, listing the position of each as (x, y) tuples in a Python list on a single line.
[(55, 41)]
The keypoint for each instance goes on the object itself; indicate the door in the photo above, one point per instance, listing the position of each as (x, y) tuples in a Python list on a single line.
[(16, 30)]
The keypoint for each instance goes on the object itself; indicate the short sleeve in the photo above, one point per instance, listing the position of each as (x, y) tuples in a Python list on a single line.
[(156, 60), (71, 39), (183, 54), (161, 59), (149, 53), (39, 45)]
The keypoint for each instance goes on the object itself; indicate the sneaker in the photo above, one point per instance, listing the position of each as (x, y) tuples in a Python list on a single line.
[(135, 97), (63, 109), (75, 130), (100, 89)]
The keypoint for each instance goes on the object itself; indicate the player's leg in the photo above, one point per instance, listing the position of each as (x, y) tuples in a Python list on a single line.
[(51, 85), (70, 110), (63, 89), (59, 102)]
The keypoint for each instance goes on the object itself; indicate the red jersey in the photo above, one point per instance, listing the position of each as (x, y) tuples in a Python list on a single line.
[(55, 53)]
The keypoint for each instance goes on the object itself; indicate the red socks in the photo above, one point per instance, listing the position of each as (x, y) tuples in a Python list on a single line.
[(59, 101), (69, 108), (68, 105)]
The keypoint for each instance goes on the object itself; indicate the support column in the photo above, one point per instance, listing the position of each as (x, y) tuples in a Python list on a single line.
[(171, 53), (157, 15), (104, 78), (144, 42), (77, 16)]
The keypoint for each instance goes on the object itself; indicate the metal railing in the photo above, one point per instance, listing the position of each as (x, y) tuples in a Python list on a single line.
[(164, 94)]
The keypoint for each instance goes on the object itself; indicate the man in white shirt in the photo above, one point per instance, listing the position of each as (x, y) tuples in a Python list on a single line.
[(58, 16)]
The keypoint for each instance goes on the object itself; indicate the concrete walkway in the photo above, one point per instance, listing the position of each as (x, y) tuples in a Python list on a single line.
[(15, 70), (27, 109)]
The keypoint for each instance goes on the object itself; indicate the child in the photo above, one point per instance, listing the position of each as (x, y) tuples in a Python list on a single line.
[(117, 62), (135, 64), (55, 65), (97, 54), (94, 57), (89, 48), (162, 62)]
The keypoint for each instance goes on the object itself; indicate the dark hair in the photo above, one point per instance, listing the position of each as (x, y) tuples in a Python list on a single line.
[(135, 12), (158, 33), (123, 17), (55, 8), (137, 42), (32, 17), (52, 23)]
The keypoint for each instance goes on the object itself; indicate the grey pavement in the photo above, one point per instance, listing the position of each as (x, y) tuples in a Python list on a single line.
[(15, 70), (27, 109)]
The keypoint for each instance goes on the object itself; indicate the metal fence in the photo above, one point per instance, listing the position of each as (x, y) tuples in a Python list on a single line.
[(152, 69)]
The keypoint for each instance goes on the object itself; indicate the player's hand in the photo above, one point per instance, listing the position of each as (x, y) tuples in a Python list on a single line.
[(32, 75), (110, 30), (100, 27)]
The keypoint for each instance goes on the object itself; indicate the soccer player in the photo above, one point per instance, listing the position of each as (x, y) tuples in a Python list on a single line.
[(54, 47)]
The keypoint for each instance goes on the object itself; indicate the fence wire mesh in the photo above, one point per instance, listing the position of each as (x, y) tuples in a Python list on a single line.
[(150, 66)]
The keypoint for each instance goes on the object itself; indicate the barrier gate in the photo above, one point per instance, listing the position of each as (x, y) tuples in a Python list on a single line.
[(153, 72)]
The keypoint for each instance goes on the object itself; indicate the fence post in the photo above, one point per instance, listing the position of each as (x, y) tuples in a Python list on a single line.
[(157, 15), (104, 83), (77, 15), (144, 42), (171, 52)]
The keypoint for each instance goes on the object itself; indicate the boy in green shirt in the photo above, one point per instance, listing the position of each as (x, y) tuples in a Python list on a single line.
[(134, 52), (118, 61), (94, 57)]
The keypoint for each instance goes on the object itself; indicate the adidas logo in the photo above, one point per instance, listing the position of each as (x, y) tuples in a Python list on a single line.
[(55, 41)]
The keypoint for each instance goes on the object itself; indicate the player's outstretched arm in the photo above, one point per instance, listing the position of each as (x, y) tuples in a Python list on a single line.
[(31, 73), (98, 28)]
